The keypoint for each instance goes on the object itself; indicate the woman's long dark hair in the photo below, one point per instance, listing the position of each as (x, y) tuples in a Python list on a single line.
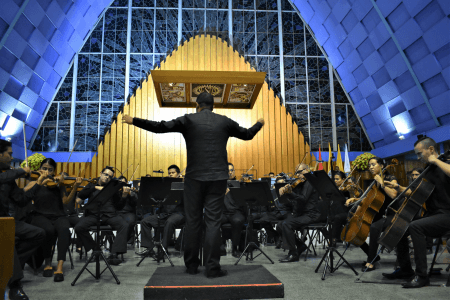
[(382, 163), (49, 161)]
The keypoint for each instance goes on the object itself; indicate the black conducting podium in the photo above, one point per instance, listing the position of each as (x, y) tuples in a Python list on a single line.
[(251, 194), (156, 191)]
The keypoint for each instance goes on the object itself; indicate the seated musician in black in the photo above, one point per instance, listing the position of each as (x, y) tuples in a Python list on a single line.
[(128, 212), (171, 217), (304, 198), (48, 213), (233, 214), (435, 221), (276, 213), (28, 237), (376, 165), (108, 214)]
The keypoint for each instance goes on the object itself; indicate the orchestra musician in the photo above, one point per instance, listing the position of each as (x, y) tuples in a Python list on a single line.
[(48, 213), (435, 221), (108, 214), (233, 214), (171, 216), (304, 198), (206, 135), (28, 237), (128, 212), (376, 165)]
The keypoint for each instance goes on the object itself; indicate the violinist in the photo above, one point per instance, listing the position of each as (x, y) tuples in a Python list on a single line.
[(435, 221), (376, 165), (28, 237), (128, 212), (304, 198), (172, 216), (108, 214), (48, 213), (233, 214)]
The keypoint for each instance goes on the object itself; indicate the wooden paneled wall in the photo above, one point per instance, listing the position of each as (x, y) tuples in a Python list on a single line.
[(278, 147)]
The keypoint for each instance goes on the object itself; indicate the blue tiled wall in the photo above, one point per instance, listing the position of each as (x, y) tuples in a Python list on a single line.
[(372, 69), (36, 54)]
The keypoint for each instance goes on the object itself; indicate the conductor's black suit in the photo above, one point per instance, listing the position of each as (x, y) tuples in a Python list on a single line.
[(206, 135)]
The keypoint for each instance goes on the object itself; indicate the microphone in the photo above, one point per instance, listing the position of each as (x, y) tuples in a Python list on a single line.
[(159, 171)]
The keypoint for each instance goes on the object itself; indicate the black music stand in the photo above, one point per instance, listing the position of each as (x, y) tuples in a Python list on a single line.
[(329, 193), (156, 191), (95, 204), (251, 194)]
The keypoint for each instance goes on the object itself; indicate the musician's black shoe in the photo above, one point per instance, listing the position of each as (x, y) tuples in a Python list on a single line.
[(48, 273), (236, 253), (278, 244), (16, 293), (399, 274), (417, 282), (147, 252), (192, 271), (114, 260), (223, 250), (376, 259), (219, 273), (292, 257), (58, 277)]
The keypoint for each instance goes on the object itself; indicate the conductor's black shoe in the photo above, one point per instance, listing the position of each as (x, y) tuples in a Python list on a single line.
[(114, 260), (417, 282), (223, 250), (219, 273), (192, 271), (290, 258), (399, 274), (16, 293), (58, 277), (236, 253)]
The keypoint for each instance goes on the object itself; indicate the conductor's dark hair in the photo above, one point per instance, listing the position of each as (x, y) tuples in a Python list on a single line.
[(174, 167), (340, 174), (49, 161), (427, 142), (122, 177), (419, 170), (108, 168), (205, 100), (4, 144)]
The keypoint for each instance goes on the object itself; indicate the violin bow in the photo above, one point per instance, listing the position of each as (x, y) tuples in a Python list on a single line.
[(246, 173), (67, 162), (121, 174), (349, 175), (134, 172), (25, 145)]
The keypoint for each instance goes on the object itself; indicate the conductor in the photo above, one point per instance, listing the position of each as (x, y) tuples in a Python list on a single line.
[(206, 135)]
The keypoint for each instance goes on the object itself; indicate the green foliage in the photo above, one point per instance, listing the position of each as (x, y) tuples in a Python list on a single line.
[(34, 161), (362, 161)]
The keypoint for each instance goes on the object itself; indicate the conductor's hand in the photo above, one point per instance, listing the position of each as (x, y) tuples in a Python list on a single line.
[(127, 119), (261, 120)]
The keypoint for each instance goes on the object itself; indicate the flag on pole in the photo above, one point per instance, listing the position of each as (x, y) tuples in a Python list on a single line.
[(330, 160), (320, 165), (347, 168), (339, 160)]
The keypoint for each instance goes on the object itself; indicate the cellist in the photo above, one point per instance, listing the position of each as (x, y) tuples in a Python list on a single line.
[(376, 165), (435, 222)]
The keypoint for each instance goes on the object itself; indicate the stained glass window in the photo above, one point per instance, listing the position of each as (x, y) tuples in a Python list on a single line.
[(297, 70)]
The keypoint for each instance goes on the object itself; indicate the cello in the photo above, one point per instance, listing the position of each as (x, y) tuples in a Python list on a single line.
[(408, 210), (363, 212)]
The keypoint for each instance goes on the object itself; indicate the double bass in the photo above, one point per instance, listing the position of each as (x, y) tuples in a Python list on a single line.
[(363, 212), (408, 210)]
